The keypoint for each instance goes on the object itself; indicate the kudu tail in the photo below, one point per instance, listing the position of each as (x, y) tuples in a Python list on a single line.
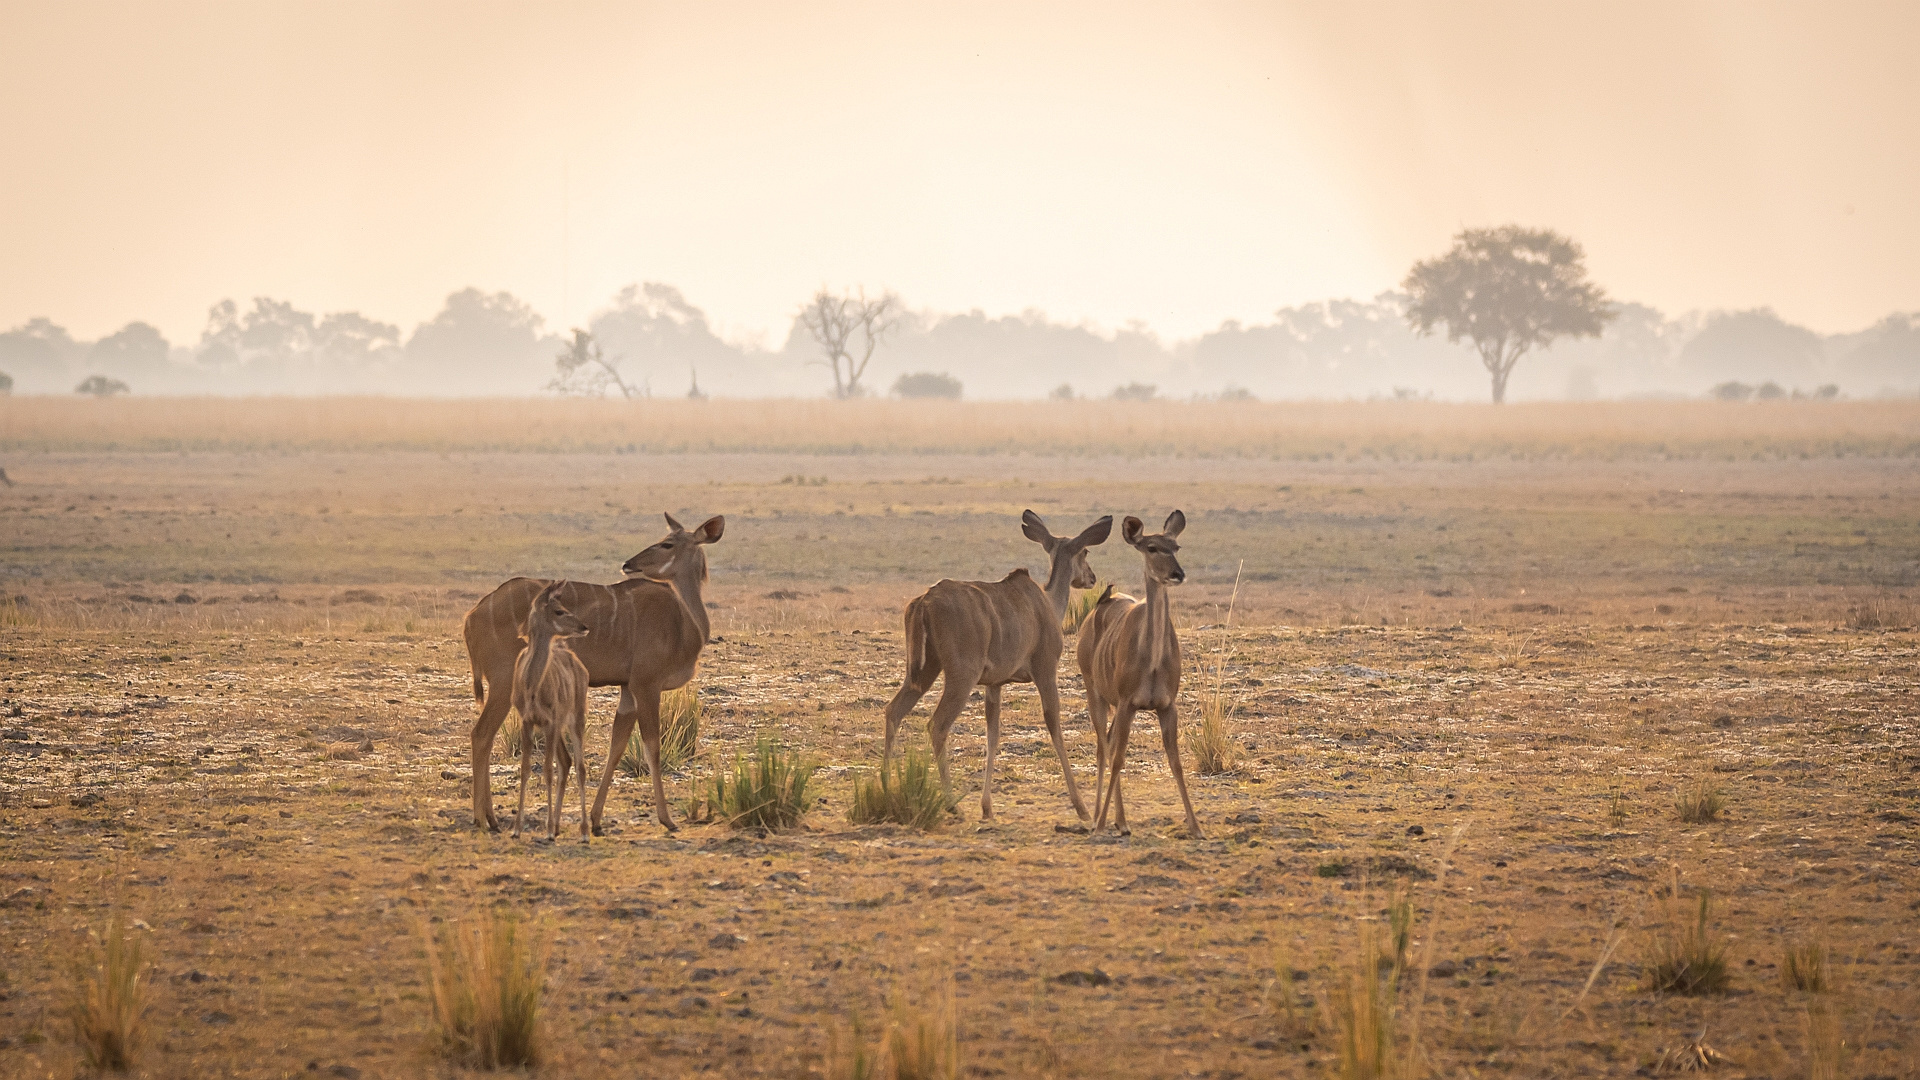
[(917, 635)]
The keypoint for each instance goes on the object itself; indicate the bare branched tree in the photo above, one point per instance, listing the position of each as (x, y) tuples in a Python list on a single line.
[(581, 368), (842, 325)]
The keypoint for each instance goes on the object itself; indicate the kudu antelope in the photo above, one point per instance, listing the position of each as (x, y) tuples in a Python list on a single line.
[(989, 634), (550, 693), (1130, 660), (645, 636)]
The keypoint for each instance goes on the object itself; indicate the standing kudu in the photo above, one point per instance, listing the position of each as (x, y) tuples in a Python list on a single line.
[(1130, 660), (989, 634), (550, 694), (644, 636)]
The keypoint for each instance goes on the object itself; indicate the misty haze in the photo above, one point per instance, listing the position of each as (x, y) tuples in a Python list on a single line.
[(889, 542)]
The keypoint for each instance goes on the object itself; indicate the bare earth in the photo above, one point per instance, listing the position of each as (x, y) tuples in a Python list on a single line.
[(1526, 659)]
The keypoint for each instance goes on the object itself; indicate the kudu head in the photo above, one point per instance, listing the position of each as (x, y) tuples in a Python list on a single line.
[(1064, 552), (549, 617), (1158, 548), (671, 556)]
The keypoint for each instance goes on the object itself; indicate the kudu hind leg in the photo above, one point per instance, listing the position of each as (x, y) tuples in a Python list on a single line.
[(1170, 739), (992, 694), (493, 712), (953, 698), (1122, 728), (526, 755)]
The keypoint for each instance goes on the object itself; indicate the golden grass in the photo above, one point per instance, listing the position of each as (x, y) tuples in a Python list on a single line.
[(1685, 958), (1214, 753), (487, 980), (1363, 1013), (1078, 608), (917, 1043), (1699, 804), (767, 789), (1826, 1044), (1307, 430), (108, 1004), (679, 735), (908, 795), (1803, 966)]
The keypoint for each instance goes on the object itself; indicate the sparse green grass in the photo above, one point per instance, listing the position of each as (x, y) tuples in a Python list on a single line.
[(766, 790), (911, 795), (107, 1007), (1400, 929), (1700, 804), (1292, 1010), (679, 735), (1685, 959), (1803, 966), (487, 980)]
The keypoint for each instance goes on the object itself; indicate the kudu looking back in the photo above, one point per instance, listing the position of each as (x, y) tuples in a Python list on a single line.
[(1130, 660), (645, 636), (550, 693), (989, 634)]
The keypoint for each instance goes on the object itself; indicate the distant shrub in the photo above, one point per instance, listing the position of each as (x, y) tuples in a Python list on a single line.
[(1685, 959), (6, 384), (1769, 391), (1700, 805), (1827, 392), (926, 384), (1063, 392), (1235, 393), (1731, 391), (1136, 391), (100, 386)]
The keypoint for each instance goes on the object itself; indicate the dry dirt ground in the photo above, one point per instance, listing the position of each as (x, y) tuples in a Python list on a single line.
[(1526, 661)]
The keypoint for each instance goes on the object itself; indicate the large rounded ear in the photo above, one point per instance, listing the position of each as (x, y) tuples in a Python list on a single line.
[(709, 533), (1175, 522), (674, 525), (1130, 530), (1096, 533), (1036, 530)]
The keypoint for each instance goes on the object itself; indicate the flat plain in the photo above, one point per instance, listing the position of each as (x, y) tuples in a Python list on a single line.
[(1474, 654)]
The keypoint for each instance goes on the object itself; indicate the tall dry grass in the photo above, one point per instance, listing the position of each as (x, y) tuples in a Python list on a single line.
[(1288, 430), (917, 1043), (1214, 753), (679, 735), (107, 1002), (487, 978)]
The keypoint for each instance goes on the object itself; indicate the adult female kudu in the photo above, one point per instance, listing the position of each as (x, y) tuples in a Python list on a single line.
[(1130, 660), (645, 637), (550, 693), (989, 634)]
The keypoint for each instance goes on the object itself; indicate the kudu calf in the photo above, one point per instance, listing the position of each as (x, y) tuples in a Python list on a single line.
[(550, 693), (1130, 660), (645, 636), (989, 634)]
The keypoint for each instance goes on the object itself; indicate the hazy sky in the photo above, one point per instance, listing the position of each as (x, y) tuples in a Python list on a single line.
[(1173, 163)]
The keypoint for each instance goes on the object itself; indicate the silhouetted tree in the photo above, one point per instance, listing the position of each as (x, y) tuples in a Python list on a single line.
[(926, 384), (1508, 290), (481, 343), (136, 349), (1753, 344), (101, 386), (582, 368), (834, 321), (1136, 391), (657, 334), (1063, 392), (40, 353), (6, 384)]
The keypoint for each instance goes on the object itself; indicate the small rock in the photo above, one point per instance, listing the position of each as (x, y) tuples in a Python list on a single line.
[(1096, 977), (42, 804), (186, 598), (702, 974), (91, 798), (1445, 969), (449, 774), (1416, 830), (344, 1072), (238, 819), (215, 1017), (726, 941)]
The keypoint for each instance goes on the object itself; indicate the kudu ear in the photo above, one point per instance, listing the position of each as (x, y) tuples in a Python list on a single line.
[(1130, 530), (674, 525), (1175, 522), (1035, 529), (1096, 533), (709, 533)]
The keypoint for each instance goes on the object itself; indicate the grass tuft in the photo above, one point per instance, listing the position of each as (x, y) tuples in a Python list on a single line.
[(1826, 1045), (108, 1003), (917, 1044), (1400, 929), (767, 790), (1685, 960), (487, 980), (909, 795), (1079, 607), (1292, 1010), (1214, 753), (679, 734), (1804, 967), (1363, 1014), (1700, 805)]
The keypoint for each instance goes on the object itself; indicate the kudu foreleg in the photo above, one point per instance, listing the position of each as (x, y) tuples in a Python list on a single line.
[(485, 726), (623, 720), (1050, 710), (1170, 739), (649, 716), (992, 694)]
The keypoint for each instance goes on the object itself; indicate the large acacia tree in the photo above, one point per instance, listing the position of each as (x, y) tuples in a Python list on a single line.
[(1508, 290)]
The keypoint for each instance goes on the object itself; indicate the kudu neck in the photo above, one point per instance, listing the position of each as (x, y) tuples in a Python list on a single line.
[(1059, 588), (686, 580), (539, 652), (1159, 621)]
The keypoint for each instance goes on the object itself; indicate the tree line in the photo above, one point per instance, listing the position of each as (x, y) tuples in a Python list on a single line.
[(1505, 311)]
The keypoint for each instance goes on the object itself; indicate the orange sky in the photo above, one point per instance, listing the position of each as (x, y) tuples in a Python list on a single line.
[(1174, 163)]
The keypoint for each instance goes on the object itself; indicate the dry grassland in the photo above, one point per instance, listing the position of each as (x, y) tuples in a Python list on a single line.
[(233, 706)]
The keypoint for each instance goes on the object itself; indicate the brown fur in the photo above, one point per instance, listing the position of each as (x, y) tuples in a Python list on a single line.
[(988, 634), (645, 637), (1129, 659), (550, 693)]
